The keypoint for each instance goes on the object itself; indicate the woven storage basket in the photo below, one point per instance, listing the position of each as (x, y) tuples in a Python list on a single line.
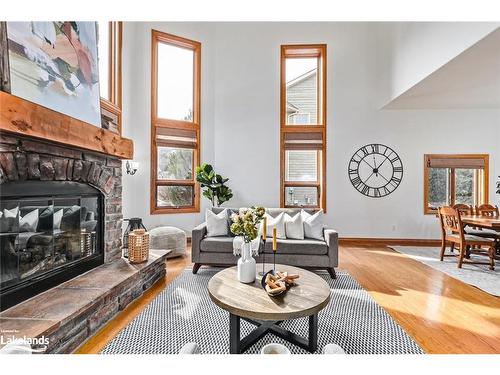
[(138, 246)]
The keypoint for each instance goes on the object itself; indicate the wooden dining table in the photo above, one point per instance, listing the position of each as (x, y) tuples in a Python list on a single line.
[(486, 222)]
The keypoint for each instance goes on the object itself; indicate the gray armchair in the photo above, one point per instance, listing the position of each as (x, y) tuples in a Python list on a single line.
[(306, 253)]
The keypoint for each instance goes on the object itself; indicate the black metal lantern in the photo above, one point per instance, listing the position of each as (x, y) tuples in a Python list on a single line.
[(133, 224)]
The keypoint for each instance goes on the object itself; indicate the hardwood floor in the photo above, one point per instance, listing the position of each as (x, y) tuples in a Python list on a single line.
[(441, 313)]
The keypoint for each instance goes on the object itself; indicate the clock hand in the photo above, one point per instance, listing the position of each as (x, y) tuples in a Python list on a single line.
[(371, 166), (375, 163), (386, 158), (369, 177), (383, 176)]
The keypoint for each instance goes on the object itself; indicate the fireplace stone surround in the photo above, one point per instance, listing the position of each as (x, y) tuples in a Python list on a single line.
[(29, 159), (73, 311)]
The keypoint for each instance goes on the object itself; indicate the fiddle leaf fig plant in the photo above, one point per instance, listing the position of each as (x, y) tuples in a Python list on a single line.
[(213, 185)]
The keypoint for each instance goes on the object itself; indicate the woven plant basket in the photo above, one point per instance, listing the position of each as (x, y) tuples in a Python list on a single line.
[(138, 246)]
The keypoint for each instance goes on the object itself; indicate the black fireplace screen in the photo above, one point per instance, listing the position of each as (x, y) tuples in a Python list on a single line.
[(49, 232)]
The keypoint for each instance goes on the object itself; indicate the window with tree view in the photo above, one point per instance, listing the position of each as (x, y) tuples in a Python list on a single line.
[(175, 128), (454, 179), (303, 125)]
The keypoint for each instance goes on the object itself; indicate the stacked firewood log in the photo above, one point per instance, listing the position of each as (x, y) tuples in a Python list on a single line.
[(276, 284)]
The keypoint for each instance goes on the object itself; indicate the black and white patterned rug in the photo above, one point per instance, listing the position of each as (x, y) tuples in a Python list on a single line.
[(183, 313)]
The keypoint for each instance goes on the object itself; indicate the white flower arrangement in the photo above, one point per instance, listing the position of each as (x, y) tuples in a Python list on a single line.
[(246, 222)]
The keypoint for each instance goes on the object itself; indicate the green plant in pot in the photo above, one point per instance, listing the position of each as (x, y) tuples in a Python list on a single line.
[(213, 185)]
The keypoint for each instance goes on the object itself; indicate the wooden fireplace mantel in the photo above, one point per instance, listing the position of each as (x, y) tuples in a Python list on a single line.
[(22, 117)]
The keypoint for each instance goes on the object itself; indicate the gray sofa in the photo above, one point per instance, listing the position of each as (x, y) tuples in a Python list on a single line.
[(307, 253)]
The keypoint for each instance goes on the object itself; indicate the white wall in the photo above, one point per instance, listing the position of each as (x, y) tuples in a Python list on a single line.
[(241, 122), (137, 113), (420, 48)]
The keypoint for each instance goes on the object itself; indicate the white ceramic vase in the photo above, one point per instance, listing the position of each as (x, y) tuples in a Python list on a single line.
[(246, 264)]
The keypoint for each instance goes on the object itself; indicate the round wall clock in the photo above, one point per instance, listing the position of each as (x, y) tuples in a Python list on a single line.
[(375, 170)]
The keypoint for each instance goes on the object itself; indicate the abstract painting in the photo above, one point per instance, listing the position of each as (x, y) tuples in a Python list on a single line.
[(54, 64)]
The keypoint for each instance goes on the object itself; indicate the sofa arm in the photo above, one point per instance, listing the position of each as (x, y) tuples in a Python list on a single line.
[(332, 241), (197, 235), (331, 237)]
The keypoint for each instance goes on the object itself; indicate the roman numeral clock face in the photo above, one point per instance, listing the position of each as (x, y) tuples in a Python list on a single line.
[(375, 170)]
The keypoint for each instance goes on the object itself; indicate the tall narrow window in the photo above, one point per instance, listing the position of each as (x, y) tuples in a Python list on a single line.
[(175, 123), (110, 80), (453, 179), (303, 126)]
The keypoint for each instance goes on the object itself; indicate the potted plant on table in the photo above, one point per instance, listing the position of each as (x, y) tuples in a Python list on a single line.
[(246, 225)]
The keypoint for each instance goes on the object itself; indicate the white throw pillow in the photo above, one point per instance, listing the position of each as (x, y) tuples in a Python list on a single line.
[(57, 219), (294, 226), (313, 225), (278, 222), (29, 222), (216, 224), (11, 213)]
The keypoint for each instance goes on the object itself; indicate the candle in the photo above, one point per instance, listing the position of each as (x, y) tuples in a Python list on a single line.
[(275, 242), (264, 230)]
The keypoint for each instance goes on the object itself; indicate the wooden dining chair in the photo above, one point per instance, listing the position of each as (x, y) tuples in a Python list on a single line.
[(452, 230), (464, 209), (487, 210)]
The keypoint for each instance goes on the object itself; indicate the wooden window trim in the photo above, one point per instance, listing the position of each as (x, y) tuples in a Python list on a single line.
[(114, 104), (300, 51), (161, 37), (483, 195)]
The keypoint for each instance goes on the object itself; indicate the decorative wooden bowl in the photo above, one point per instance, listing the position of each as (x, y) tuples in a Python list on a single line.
[(263, 283), (277, 283)]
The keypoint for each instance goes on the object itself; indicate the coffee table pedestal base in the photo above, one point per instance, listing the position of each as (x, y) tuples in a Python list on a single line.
[(239, 345)]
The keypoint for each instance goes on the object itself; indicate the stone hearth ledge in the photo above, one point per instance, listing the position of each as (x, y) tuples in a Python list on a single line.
[(70, 313)]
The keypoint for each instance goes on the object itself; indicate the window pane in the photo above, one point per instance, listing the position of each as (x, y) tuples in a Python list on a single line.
[(439, 187), (174, 196), (175, 163), (175, 82), (464, 186), (301, 91), (301, 196), (103, 56), (301, 165)]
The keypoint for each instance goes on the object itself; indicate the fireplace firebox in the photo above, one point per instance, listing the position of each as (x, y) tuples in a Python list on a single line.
[(50, 232)]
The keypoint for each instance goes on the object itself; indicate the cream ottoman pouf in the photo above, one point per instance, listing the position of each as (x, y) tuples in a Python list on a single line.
[(168, 238)]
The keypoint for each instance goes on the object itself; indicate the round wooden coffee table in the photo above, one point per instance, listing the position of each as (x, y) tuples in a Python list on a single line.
[(251, 303)]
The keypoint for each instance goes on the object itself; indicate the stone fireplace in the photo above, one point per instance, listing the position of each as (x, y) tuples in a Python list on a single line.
[(54, 180), (65, 165)]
